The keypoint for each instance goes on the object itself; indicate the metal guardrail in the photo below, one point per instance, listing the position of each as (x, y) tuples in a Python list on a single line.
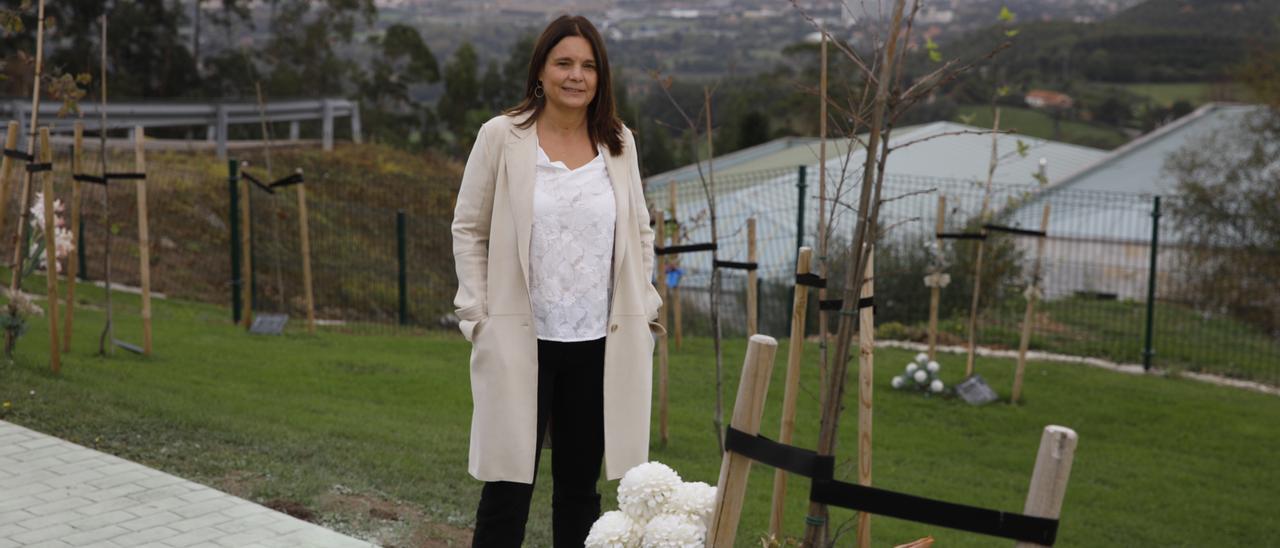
[(216, 117)]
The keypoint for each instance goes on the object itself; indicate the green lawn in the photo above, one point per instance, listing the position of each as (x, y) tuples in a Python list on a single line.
[(1166, 94), (1037, 124), (1183, 338), (327, 419)]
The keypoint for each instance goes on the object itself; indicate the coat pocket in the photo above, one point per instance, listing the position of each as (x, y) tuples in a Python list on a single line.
[(470, 328)]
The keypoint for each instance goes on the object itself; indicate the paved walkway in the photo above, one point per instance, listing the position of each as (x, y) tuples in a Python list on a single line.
[(55, 493)]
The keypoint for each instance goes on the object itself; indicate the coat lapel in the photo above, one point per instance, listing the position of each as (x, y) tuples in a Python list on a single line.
[(522, 160)]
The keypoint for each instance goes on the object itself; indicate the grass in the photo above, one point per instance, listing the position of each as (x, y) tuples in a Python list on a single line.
[(1166, 94), (306, 418), (1037, 124), (1183, 338)]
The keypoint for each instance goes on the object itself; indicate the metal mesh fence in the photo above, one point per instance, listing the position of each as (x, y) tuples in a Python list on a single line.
[(1215, 310), (1094, 269)]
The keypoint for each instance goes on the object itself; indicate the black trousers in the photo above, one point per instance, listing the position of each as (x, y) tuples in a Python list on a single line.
[(571, 392)]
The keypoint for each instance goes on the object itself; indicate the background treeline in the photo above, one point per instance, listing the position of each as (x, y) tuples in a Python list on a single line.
[(411, 99)]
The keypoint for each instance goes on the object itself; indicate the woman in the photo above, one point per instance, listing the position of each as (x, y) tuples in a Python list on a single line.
[(554, 255)]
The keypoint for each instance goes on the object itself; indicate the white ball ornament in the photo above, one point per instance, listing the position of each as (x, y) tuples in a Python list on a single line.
[(645, 490), (674, 531), (933, 366), (936, 386), (898, 381), (921, 358), (921, 376), (615, 530), (912, 367)]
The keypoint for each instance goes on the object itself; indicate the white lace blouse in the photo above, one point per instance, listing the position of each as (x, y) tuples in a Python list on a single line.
[(571, 249)]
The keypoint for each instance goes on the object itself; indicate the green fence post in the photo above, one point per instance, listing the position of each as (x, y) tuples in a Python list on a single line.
[(1148, 352), (233, 191), (400, 254), (800, 188)]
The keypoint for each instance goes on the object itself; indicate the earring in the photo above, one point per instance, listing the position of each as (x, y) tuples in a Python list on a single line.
[(537, 91)]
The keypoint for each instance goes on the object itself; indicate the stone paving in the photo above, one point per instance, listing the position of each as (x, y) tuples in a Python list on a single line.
[(54, 493)]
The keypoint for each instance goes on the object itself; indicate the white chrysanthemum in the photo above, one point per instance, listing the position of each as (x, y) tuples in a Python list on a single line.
[(898, 381), (936, 386), (921, 375), (645, 490), (674, 531), (912, 367), (933, 366), (615, 530), (695, 499), (921, 358)]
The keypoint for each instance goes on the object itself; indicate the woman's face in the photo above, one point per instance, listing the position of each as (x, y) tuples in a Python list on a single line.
[(569, 76)]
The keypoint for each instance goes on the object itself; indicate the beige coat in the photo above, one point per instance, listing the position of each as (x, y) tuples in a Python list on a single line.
[(491, 226)]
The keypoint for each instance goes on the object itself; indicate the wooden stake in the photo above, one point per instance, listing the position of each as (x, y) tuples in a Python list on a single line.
[(50, 251), (792, 388), (246, 257), (676, 319), (1049, 479), (662, 338), (73, 261), (866, 373), (20, 240), (935, 293), (822, 212), (1032, 297), (757, 368), (977, 267), (753, 295), (144, 240), (6, 169), (306, 257)]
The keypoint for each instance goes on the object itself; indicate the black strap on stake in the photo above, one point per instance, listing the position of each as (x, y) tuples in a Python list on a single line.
[(961, 236), (801, 462), (678, 249), (286, 181), (934, 512), (1015, 230), (14, 153), (83, 178), (735, 266), (255, 181), (838, 304), (37, 168), (811, 280)]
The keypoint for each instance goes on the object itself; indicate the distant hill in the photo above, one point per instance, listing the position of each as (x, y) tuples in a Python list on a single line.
[(1236, 18), (1156, 41)]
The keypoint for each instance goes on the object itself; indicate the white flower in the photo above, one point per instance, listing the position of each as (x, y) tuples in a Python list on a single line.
[(898, 381), (936, 386), (695, 499), (912, 367), (933, 366), (23, 302), (615, 530), (921, 358), (921, 376), (674, 531), (645, 490)]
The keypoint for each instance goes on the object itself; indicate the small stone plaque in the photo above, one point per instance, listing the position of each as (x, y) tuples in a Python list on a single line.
[(269, 324), (975, 391)]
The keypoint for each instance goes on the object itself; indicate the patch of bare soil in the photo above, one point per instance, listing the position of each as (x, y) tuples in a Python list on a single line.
[(390, 523)]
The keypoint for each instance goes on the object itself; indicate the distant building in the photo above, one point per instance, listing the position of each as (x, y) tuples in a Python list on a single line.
[(1041, 98), (1105, 210)]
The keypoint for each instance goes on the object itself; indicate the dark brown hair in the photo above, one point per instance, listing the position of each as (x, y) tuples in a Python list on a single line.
[(603, 125)]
